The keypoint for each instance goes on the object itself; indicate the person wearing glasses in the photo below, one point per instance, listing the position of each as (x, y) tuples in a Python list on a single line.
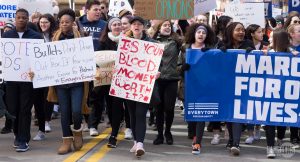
[(104, 11), (291, 20)]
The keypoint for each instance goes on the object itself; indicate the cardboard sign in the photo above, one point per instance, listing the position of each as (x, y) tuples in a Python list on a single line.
[(63, 62), (106, 62), (8, 10), (204, 6), (135, 69), (247, 13), (15, 58), (42, 6), (115, 6), (164, 9)]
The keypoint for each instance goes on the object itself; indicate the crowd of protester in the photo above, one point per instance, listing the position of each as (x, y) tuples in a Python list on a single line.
[(81, 105)]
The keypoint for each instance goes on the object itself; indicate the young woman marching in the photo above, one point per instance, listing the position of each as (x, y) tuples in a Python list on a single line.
[(198, 36)]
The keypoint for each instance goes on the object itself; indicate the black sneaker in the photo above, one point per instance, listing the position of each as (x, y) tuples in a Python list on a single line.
[(5, 130), (112, 142), (159, 140), (169, 138), (229, 145), (23, 147)]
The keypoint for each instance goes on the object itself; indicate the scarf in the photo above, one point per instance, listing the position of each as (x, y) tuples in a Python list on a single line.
[(113, 38), (58, 33)]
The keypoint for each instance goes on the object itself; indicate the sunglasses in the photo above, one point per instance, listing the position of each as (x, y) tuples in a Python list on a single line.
[(296, 22)]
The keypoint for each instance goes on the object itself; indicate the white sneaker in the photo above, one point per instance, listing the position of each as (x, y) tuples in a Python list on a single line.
[(257, 134), (85, 127), (47, 127), (249, 140), (128, 134), (93, 132), (139, 150), (215, 140), (271, 153), (39, 137), (148, 114), (133, 148)]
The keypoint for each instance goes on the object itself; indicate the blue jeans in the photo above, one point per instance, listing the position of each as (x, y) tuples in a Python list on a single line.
[(70, 100)]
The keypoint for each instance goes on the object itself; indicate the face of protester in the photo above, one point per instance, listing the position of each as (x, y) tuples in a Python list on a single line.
[(200, 36), (66, 23), (238, 33), (296, 34), (44, 24), (116, 28), (295, 20), (137, 28), (21, 20), (165, 28), (125, 24), (258, 34), (201, 19), (103, 8), (94, 13)]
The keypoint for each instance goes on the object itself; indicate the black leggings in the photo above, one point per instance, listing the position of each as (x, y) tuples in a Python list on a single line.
[(165, 110), (199, 132), (117, 115), (235, 131), (137, 112), (39, 102), (270, 134)]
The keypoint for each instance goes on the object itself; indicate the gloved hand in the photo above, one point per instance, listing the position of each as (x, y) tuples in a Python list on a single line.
[(223, 49), (186, 67)]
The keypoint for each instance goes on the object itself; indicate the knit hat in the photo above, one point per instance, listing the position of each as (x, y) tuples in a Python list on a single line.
[(110, 21)]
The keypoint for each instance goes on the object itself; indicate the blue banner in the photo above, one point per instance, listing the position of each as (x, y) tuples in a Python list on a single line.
[(245, 88), (294, 5)]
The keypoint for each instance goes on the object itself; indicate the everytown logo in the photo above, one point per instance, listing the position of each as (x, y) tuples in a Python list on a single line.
[(206, 110)]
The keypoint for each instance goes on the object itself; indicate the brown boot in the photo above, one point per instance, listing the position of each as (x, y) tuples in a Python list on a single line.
[(77, 142), (66, 146)]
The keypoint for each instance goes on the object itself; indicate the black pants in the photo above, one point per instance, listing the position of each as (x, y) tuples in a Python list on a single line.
[(117, 115), (39, 103), (137, 112), (98, 97), (165, 110), (235, 131), (19, 99), (270, 134), (199, 132), (126, 114), (295, 133)]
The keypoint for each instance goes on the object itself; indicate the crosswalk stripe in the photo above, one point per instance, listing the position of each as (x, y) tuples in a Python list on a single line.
[(98, 155), (88, 146)]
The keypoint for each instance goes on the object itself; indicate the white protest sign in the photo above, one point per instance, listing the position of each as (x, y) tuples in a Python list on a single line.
[(247, 13), (63, 62), (203, 6), (115, 6), (15, 58), (135, 70), (276, 12), (8, 10), (106, 62), (42, 6)]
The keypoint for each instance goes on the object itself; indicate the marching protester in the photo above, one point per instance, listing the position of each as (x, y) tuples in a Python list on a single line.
[(234, 38), (280, 43), (202, 37), (291, 20), (43, 109), (71, 97), (167, 82), (19, 95), (138, 110)]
